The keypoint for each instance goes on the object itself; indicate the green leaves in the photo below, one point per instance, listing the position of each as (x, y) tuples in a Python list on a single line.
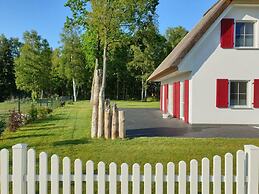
[(175, 35), (33, 66)]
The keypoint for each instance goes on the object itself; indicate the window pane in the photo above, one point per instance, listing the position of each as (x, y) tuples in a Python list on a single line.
[(249, 41), (249, 28), (242, 99), (240, 28), (234, 87), (240, 40), (233, 99), (242, 87)]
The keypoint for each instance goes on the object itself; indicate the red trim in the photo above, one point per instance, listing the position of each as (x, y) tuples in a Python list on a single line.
[(256, 93), (222, 93), (186, 101), (227, 33), (177, 100)]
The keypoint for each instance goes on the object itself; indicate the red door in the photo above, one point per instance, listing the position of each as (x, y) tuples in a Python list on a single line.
[(186, 101), (177, 100)]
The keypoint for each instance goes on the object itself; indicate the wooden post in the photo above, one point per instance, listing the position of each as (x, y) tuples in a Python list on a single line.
[(114, 121), (122, 130), (107, 123), (97, 83)]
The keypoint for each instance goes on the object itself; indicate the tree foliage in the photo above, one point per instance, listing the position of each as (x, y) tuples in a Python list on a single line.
[(175, 34), (9, 50), (33, 66)]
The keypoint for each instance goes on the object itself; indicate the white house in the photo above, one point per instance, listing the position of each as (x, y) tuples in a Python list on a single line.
[(212, 76)]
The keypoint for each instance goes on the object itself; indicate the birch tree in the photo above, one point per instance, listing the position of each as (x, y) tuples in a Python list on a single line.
[(73, 60)]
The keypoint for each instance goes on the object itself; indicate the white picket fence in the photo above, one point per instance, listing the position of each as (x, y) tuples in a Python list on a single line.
[(25, 180)]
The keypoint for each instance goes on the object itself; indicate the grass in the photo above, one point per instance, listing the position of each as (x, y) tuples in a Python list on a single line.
[(67, 133)]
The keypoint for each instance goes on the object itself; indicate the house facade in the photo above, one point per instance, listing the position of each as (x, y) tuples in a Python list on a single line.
[(212, 76)]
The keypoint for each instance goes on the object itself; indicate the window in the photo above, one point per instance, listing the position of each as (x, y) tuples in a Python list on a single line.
[(238, 93), (244, 34)]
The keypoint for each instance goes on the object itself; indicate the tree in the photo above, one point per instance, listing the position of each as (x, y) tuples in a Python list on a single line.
[(175, 35), (33, 66), (9, 50), (148, 51), (73, 59)]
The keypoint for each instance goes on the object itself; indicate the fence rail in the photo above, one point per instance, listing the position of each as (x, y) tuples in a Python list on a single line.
[(26, 178)]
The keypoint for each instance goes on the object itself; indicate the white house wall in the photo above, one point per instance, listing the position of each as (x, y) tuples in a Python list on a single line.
[(170, 81), (209, 62)]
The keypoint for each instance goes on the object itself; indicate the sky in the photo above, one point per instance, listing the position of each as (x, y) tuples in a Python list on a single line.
[(47, 17)]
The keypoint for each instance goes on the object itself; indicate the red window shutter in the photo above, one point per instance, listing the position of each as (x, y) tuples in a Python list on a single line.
[(222, 93), (186, 101), (227, 33), (256, 93), (166, 98)]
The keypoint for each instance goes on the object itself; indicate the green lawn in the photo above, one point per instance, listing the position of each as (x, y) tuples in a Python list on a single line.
[(67, 133)]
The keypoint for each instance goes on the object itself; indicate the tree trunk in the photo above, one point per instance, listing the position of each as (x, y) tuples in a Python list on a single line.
[(97, 83), (145, 92), (95, 69), (122, 129), (74, 90), (142, 89), (114, 121), (102, 93), (41, 94), (117, 93), (107, 120)]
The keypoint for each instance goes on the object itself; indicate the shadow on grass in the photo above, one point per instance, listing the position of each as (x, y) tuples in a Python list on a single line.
[(71, 142), (28, 136), (35, 128)]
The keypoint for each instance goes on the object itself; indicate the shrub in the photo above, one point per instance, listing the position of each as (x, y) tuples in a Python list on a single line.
[(33, 113), (152, 99), (43, 112), (2, 123), (16, 120), (2, 126)]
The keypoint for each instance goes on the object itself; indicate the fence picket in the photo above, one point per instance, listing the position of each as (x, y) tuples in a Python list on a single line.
[(43, 175), (228, 173), (205, 176), (78, 177), (182, 177), (31, 171), (170, 178), (136, 179), (90, 177), (217, 175), (194, 177), (112, 178), (159, 178), (147, 179), (66, 176), (4, 169), (54, 174), (240, 185), (124, 178), (101, 178)]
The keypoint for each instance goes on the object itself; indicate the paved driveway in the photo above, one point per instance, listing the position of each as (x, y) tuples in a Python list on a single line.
[(149, 123)]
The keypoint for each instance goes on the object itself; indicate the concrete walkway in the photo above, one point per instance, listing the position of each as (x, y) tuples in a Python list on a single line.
[(149, 123)]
